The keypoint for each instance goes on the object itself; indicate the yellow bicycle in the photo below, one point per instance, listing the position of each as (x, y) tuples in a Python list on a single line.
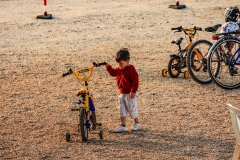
[(87, 120), (178, 61)]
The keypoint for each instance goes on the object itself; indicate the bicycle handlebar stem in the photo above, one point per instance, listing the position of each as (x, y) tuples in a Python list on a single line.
[(89, 69)]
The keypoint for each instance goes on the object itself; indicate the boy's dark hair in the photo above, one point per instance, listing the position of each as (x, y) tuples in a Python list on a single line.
[(122, 55)]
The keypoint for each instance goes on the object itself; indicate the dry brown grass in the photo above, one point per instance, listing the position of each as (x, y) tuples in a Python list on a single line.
[(180, 119)]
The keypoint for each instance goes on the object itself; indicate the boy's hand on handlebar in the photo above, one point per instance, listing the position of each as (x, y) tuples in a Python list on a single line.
[(107, 64)]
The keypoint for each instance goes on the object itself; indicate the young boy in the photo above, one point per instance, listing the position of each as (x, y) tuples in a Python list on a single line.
[(127, 82)]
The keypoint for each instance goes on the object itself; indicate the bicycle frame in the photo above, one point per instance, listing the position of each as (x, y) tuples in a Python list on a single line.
[(87, 115), (84, 91), (237, 60), (229, 49)]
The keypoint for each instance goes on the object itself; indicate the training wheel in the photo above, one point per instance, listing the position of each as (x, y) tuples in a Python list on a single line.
[(186, 74), (101, 134), (164, 73), (68, 137)]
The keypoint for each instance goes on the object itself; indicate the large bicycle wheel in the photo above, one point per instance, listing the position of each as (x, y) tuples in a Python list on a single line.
[(221, 54), (82, 124), (197, 61), (173, 67)]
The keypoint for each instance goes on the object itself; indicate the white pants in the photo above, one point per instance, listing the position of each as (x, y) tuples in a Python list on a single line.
[(128, 105)]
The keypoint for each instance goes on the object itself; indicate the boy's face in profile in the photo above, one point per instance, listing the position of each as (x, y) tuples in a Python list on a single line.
[(122, 64)]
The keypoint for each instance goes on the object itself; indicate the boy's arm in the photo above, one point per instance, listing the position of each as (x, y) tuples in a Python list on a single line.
[(111, 71)]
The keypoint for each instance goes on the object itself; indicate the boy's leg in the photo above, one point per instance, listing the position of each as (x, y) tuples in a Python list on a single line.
[(123, 114), (136, 120), (133, 110), (122, 127), (123, 120)]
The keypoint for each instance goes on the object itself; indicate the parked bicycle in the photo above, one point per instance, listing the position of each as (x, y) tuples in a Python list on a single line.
[(224, 58), (197, 58), (85, 107), (177, 61)]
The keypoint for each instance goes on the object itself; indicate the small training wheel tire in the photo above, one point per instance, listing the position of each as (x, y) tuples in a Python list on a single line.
[(186, 74), (101, 134), (68, 137), (164, 73)]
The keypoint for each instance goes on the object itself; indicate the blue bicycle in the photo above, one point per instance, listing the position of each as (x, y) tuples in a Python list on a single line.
[(224, 60)]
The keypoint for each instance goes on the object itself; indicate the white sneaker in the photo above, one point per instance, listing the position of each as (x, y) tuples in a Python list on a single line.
[(120, 129), (136, 126)]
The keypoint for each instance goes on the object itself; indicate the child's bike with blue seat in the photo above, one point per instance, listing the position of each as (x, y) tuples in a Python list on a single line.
[(87, 121)]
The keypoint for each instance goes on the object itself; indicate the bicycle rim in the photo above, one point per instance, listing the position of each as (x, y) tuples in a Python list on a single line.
[(197, 61), (221, 54)]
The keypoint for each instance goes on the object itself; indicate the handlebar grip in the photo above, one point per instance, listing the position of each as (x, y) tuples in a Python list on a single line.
[(199, 28), (99, 64), (175, 28), (178, 28), (68, 73)]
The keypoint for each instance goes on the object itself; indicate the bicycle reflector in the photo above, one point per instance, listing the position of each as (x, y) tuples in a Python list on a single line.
[(215, 37)]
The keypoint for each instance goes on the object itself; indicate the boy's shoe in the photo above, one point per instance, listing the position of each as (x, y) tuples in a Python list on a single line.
[(120, 129), (136, 126)]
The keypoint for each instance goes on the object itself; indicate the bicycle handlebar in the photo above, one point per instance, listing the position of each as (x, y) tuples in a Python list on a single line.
[(190, 32), (89, 69), (185, 30)]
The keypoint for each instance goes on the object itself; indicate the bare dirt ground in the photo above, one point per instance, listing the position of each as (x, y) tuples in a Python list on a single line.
[(180, 119)]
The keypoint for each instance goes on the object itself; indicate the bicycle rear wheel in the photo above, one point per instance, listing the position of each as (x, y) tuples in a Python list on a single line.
[(197, 61), (82, 124), (221, 54)]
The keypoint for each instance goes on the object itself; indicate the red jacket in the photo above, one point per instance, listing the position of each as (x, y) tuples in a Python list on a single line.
[(127, 78)]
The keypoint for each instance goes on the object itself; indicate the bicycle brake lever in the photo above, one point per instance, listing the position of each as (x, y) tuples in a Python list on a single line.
[(68, 73)]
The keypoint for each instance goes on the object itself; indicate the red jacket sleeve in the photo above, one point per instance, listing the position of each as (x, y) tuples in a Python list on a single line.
[(111, 71)]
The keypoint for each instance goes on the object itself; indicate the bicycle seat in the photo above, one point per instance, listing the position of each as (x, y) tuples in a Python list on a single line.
[(213, 28), (177, 41)]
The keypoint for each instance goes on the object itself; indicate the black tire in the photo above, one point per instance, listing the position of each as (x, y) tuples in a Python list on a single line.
[(197, 61), (82, 124), (227, 75), (172, 67), (94, 120), (101, 134), (68, 138)]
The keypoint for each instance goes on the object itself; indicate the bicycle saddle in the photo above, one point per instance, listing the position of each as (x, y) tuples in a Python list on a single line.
[(177, 41), (213, 28)]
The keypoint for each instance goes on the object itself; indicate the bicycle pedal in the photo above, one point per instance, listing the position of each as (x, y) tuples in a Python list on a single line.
[(99, 124), (75, 109)]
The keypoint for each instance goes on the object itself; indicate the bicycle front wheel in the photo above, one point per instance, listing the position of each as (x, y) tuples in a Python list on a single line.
[(224, 54), (197, 61), (82, 124)]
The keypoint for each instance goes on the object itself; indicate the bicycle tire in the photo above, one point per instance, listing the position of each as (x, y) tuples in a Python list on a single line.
[(173, 72), (198, 67), (223, 78), (94, 120), (82, 124)]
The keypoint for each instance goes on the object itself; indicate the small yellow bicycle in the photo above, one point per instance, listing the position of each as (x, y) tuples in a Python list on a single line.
[(87, 120), (178, 61)]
